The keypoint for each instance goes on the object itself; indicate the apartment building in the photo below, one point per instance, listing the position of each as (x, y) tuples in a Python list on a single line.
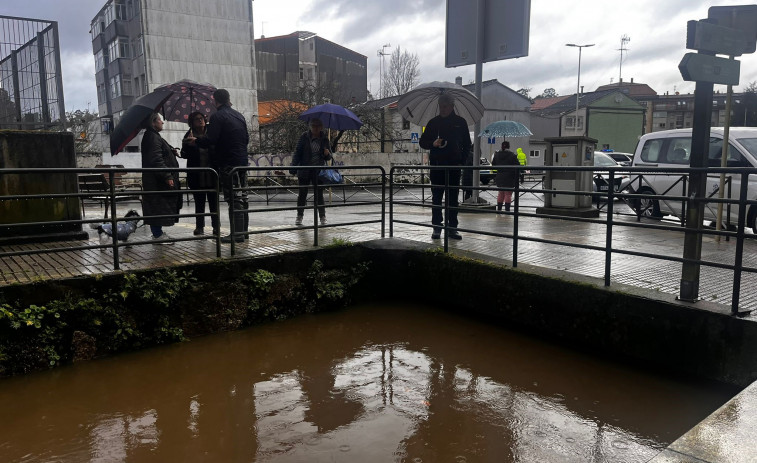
[(139, 45)]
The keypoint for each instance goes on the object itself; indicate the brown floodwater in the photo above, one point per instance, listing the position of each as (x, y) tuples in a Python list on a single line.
[(374, 383)]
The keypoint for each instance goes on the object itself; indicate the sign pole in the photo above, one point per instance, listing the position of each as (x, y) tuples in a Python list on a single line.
[(700, 143), (480, 24)]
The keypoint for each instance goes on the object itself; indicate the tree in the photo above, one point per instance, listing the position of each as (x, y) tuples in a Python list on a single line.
[(525, 92), (549, 93), (403, 73), (744, 112)]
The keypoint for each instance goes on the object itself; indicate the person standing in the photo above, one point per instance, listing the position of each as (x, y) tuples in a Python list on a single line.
[(506, 178), (227, 134), (200, 157), (448, 141), (522, 160), (312, 150), (157, 153)]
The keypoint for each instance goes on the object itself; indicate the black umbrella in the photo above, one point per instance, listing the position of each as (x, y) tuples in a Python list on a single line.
[(135, 117)]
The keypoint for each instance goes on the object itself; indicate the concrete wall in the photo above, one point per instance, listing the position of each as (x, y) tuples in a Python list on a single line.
[(29, 150), (205, 41)]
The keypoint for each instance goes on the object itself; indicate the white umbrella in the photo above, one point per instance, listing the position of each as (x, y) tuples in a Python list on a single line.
[(422, 103)]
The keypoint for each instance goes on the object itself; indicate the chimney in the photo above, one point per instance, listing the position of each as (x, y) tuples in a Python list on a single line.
[(631, 79), (459, 80)]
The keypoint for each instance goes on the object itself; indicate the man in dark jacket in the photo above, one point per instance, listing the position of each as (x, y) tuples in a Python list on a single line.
[(448, 141), (312, 150), (227, 132)]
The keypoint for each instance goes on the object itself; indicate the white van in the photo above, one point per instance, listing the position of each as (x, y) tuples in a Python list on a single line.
[(672, 148)]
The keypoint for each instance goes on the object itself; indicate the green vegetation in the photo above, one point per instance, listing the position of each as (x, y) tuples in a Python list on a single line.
[(159, 307)]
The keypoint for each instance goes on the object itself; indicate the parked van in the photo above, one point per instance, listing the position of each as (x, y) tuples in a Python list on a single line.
[(672, 148)]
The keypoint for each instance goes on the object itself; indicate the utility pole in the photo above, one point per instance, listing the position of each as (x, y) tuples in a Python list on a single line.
[(623, 41), (381, 54)]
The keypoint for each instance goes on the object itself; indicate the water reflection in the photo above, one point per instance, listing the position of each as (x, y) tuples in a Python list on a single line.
[(368, 384)]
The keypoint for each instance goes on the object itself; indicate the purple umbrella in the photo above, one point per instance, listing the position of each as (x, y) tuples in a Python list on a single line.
[(187, 97), (333, 116)]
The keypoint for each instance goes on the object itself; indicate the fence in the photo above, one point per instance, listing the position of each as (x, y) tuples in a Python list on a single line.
[(365, 188)]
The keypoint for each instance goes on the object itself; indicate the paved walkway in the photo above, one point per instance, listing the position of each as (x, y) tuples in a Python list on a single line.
[(273, 237)]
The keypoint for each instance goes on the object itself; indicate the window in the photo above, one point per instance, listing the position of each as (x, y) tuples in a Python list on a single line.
[(661, 125), (99, 61), (651, 150), (120, 11), (679, 121), (534, 153), (115, 86), (101, 97), (570, 122), (136, 47), (302, 73), (97, 27), (119, 48), (137, 89), (126, 87), (405, 124)]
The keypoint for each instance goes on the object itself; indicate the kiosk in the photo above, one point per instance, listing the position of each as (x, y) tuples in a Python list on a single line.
[(569, 152)]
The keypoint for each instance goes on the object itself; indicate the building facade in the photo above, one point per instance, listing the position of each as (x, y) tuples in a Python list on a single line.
[(305, 67), (140, 45)]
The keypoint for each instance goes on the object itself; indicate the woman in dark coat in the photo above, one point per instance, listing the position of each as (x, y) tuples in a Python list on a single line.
[(200, 157), (506, 178), (312, 150), (156, 152)]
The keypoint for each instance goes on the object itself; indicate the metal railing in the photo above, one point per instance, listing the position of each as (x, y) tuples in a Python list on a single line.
[(745, 207)]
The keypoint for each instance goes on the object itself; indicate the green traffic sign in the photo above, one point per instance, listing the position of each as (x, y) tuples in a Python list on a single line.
[(698, 67)]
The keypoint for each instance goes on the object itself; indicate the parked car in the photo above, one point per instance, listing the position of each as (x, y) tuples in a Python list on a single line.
[(602, 178), (672, 148), (486, 175), (624, 159)]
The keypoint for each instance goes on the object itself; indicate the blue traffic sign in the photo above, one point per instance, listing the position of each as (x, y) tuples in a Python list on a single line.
[(492, 140), (414, 137)]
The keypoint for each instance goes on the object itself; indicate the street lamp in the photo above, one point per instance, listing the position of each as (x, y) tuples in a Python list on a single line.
[(578, 84)]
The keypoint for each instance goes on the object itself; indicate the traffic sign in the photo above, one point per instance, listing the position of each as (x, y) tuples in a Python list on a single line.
[(414, 137), (698, 67), (492, 140), (741, 17), (705, 36)]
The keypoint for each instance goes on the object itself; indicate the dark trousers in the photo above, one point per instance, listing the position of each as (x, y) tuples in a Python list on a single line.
[(199, 199), (237, 199), (437, 177), (302, 197)]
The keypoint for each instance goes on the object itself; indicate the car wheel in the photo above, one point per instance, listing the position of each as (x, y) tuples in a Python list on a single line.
[(647, 207)]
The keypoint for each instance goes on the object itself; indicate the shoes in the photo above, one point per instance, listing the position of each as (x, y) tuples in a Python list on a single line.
[(237, 239), (298, 221), (453, 235), (323, 220), (162, 239), (198, 231), (215, 231), (437, 234)]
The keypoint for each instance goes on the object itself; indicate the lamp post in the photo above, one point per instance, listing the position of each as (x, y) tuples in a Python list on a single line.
[(381, 54), (578, 84)]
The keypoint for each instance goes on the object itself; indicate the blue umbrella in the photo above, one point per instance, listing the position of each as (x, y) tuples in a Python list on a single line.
[(508, 129), (333, 116)]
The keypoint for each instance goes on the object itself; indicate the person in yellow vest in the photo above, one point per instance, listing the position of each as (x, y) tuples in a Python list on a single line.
[(523, 162)]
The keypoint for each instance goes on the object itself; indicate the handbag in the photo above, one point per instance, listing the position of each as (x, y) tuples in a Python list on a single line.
[(330, 176)]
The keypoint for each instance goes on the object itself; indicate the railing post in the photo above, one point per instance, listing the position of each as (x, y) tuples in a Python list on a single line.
[(743, 192), (446, 209), (383, 203), (515, 220), (113, 222), (217, 177), (316, 186), (608, 233)]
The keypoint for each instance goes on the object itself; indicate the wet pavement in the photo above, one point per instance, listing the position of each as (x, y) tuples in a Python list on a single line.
[(274, 232)]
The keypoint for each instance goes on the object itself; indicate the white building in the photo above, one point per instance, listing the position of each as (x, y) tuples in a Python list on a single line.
[(140, 45)]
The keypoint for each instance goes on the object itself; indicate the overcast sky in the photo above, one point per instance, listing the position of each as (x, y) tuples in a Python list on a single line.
[(657, 29)]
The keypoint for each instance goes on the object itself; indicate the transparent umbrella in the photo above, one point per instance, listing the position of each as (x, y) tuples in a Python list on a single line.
[(507, 129)]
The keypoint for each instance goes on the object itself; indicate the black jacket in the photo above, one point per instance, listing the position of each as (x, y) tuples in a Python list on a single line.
[(454, 130), (227, 133), (506, 178), (304, 156), (156, 152), (197, 156)]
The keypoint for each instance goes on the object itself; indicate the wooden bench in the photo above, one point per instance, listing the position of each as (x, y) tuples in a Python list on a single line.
[(98, 189)]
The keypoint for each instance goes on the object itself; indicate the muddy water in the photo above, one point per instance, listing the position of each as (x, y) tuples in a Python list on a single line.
[(370, 384)]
